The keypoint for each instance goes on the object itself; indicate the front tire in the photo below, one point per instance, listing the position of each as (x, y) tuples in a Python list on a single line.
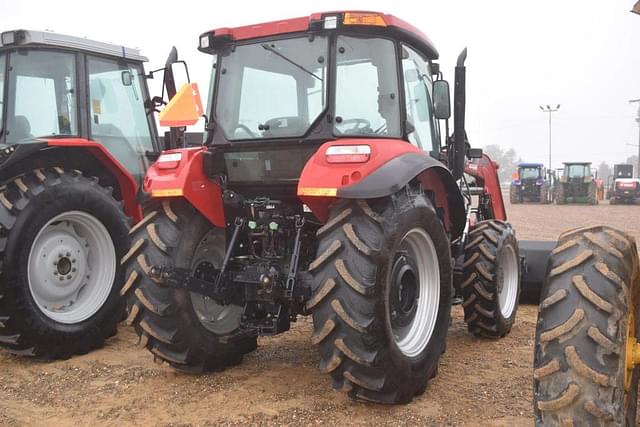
[(491, 288), (189, 331), (62, 237), (514, 195), (381, 298), (588, 315)]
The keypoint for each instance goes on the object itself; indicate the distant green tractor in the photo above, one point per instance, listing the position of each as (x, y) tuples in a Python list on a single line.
[(577, 184)]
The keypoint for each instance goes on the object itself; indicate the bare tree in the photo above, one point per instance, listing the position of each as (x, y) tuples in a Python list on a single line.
[(507, 159)]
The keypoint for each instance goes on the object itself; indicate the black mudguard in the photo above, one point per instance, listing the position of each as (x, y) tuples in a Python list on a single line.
[(397, 173)]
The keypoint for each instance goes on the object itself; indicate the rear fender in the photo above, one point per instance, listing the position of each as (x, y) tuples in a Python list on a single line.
[(485, 171), (128, 185), (179, 173), (391, 166)]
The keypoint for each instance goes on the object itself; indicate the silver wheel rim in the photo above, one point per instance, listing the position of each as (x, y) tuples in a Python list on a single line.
[(216, 318), (71, 267), (508, 281), (414, 337)]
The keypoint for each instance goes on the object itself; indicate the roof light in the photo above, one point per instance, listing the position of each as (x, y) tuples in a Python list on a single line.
[(363, 18), (330, 22), (348, 153), (205, 41), (8, 38)]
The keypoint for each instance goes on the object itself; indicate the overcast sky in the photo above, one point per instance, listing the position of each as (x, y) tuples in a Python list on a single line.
[(584, 55)]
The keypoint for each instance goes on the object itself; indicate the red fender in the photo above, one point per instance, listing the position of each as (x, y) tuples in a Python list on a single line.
[(179, 173), (485, 171), (128, 185), (321, 182)]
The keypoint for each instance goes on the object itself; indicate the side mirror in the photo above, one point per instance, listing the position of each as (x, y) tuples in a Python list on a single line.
[(441, 100), (127, 78)]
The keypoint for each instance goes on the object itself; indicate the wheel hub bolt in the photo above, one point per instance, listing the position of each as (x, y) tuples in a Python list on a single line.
[(55, 272), (68, 254), (69, 277)]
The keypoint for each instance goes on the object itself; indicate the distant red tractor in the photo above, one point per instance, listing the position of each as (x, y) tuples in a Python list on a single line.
[(326, 188)]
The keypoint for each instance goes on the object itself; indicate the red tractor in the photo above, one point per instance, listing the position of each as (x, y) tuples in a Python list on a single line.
[(325, 187), (77, 134)]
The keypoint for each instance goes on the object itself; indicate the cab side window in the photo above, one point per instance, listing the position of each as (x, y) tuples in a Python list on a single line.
[(417, 94), (118, 118)]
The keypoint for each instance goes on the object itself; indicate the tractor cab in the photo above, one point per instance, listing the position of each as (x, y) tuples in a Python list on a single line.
[(279, 91), (62, 89), (530, 183), (577, 184)]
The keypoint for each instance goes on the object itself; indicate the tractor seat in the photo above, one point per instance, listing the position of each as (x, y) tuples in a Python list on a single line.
[(18, 129)]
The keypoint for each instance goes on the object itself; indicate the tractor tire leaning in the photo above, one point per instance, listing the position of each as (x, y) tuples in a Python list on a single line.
[(374, 259), (588, 315), (190, 332), (62, 237), (491, 286)]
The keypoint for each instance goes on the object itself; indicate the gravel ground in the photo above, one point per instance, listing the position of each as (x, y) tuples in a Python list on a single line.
[(480, 382)]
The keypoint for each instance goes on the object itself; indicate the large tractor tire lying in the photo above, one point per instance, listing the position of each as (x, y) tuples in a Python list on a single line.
[(189, 331), (62, 237), (381, 299), (491, 286), (514, 194), (587, 323)]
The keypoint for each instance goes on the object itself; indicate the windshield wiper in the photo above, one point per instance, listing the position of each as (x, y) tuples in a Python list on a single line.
[(268, 47)]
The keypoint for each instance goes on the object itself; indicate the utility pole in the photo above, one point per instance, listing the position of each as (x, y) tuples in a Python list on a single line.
[(637, 101), (549, 110)]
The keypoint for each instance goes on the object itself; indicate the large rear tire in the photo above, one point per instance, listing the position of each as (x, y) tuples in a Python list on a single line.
[(62, 236), (189, 331), (381, 298), (491, 288), (593, 193), (588, 315), (544, 194)]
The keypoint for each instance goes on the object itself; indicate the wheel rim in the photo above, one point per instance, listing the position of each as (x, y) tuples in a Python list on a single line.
[(71, 267), (508, 281), (216, 318), (414, 297)]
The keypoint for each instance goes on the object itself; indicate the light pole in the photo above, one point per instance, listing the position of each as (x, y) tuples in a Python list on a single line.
[(549, 110), (637, 101)]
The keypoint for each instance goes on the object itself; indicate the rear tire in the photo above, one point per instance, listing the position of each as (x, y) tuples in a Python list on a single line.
[(560, 196), (62, 237), (589, 297), (593, 194), (514, 195), (381, 300), (184, 329), (491, 288), (544, 194)]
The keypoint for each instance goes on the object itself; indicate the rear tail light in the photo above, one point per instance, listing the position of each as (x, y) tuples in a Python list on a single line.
[(169, 160), (348, 153)]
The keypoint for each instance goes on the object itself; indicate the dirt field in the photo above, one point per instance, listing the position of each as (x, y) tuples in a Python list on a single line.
[(479, 382)]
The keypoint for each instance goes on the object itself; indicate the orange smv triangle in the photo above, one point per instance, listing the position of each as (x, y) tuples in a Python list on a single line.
[(184, 109)]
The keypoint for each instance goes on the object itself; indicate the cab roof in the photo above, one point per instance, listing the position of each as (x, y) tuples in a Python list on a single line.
[(576, 163), (318, 21), (530, 165), (17, 38)]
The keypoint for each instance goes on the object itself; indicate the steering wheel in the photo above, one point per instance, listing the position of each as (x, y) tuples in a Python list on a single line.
[(246, 129), (356, 125)]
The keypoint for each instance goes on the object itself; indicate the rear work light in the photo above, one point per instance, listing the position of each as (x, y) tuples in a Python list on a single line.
[(348, 153), (363, 18)]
